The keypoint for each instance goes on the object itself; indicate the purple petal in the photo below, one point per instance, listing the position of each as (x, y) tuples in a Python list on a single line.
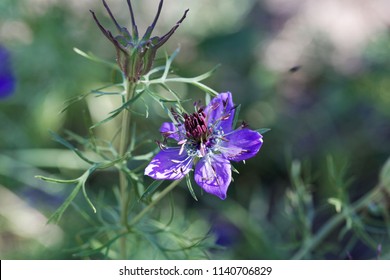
[(170, 130), (220, 111), (241, 144), (214, 174), (168, 164)]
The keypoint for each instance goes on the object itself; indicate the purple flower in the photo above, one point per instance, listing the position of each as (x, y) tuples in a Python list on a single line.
[(7, 79), (207, 140)]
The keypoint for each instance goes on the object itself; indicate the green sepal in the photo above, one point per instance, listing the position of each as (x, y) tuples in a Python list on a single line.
[(263, 131), (236, 114), (189, 185)]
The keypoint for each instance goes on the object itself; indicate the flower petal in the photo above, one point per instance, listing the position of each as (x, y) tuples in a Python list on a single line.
[(170, 130), (241, 144), (169, 164), (213, 173), (220, 111)]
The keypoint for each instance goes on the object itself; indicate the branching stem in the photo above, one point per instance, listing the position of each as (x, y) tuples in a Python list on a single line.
[(169, 188), (334, 222)]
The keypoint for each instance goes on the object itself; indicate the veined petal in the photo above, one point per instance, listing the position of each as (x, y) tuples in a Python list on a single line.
[(220, 111), (169, 164), (214, 174), (170, 130), (241, 144)]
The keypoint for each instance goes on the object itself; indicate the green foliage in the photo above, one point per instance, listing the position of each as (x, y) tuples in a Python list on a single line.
[(325, 202), (384, 176), (168, 243), (145, 87)]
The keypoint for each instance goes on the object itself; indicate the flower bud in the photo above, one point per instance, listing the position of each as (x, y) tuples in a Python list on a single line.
[(134, 54)]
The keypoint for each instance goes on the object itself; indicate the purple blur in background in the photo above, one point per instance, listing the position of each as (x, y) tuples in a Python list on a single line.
[(7, 79)]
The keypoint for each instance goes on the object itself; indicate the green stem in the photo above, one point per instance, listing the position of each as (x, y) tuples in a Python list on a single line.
[(170, 187), (123, 146), (183, 80), (334, 222)]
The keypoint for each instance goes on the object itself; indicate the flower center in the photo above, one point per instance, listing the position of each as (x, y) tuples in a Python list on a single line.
[(196, 127)]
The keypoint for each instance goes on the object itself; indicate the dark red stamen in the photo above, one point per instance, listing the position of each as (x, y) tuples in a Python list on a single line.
[(195, 125)]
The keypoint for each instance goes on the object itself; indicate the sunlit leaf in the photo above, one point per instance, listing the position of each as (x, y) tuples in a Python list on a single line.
[(117, 111), (151, 189), (336, 203), (94, 58), (58, 181), (384, 175), (56, 216), (168, 63), (67, 144)]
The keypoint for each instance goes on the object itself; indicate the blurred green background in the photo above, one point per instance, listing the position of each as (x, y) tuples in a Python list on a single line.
[(314, 71)]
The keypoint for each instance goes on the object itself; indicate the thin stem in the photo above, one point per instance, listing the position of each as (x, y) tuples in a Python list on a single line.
[(123, 145), (192, 81), (334, 222), (137, 218)]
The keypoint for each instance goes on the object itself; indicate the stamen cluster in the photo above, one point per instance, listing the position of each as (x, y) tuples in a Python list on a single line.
[(196, 126)]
